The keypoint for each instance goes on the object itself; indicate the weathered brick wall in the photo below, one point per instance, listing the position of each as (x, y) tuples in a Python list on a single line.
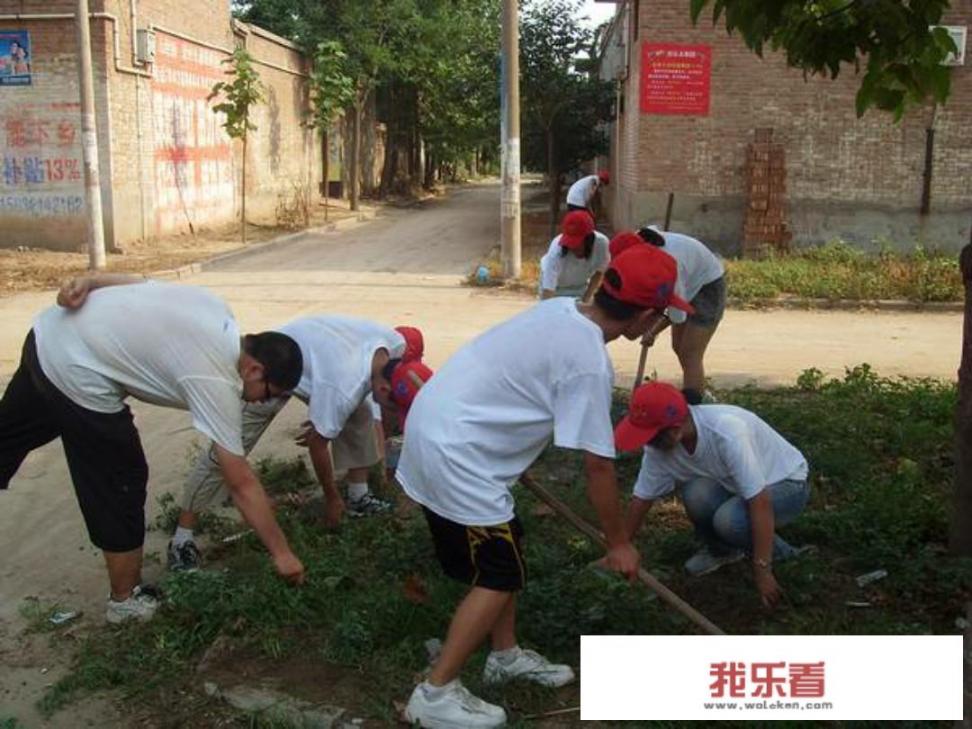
[(41, 187), (856, 178), (166, 163)]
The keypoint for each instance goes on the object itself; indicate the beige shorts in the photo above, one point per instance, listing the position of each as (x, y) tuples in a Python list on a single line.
[(356, 446)]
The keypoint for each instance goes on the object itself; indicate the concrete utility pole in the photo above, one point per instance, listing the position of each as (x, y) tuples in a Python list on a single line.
[(89, 141), (510, 133)]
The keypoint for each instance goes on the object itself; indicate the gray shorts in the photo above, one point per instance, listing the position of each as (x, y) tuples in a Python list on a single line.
[(709, 304), (356, 446)]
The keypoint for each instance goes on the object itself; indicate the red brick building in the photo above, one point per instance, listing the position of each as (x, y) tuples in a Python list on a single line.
[(753, 151), (165, 161)]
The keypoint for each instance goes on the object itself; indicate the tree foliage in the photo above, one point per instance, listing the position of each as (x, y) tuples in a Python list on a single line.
[(896, 42), (331, 86), (432, 63), (240, 94), (564, 108)]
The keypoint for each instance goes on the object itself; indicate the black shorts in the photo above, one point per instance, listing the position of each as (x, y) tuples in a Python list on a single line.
[(481, 556), (709, 304), (103, 451)]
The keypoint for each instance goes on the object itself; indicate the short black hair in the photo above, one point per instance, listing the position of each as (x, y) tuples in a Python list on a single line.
[(588, 246), (652, 236), (280, 356)]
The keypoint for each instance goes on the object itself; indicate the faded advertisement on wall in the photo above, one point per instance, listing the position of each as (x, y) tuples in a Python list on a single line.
[(40, 167), (193, 156), (15, 58)]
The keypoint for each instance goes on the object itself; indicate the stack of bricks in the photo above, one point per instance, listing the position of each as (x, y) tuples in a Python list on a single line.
[(765, 229)]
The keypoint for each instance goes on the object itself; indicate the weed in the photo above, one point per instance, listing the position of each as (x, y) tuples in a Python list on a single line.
[(881, 465)]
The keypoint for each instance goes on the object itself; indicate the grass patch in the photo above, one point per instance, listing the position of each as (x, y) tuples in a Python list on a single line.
[(835, 271), (839, 271), (881, 458)]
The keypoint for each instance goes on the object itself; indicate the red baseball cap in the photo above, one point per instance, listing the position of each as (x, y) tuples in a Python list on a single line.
[(605, 177), (645, 277), (654, 407), (576, 226), (623, 241), (414, 343), (406, 381)]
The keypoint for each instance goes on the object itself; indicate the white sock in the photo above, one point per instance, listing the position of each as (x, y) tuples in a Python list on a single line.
[(505, 656), (357, 491), (181, 536), (434, 692)]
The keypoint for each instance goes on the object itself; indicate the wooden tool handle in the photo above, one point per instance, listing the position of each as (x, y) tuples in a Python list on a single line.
[(644, 576)]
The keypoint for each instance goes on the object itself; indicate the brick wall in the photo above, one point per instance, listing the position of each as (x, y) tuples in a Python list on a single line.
[(858, 179), (166, 163)]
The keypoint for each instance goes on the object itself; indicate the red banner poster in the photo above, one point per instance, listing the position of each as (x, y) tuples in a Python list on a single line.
[(675, 78)]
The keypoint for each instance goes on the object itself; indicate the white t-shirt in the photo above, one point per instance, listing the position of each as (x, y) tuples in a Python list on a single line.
[(338, 351), (489, 412), (735, 447), (697, 266), (568, 275), (582, 192), (167, 344)]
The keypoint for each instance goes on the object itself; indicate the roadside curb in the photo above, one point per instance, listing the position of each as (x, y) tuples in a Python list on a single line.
[(191, 269)]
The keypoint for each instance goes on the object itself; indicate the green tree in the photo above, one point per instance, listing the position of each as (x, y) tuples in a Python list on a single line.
[(895, 41), (239, 96), (332, 91), (564, 108)]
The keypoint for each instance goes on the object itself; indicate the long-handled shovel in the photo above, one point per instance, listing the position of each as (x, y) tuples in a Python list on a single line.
[(644, 347), (644, 576)]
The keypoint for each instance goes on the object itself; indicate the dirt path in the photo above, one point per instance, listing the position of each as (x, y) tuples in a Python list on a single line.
[(405, 266)]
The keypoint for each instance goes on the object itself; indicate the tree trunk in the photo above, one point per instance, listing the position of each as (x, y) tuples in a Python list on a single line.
[(243, 195), (429, 182), (355, 176), (960, 536), (325, 169), (553, 177)]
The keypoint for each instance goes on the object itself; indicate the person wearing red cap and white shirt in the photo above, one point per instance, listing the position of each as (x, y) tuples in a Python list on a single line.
[(701, 281), (575, 260), (345, 360), (739, 479), (484, 418), (580, 195)]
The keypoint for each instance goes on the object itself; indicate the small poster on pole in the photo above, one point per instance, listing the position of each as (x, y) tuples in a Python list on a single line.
[(675, 78), (15, 59)]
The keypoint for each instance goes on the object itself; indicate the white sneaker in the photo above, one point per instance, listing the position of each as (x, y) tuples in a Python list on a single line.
[(140, 605), (703, 562), (453, 707), (529, 666)]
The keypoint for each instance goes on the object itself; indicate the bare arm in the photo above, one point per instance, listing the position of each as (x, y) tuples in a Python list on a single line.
[(320, 456), (592, 286), (660, 324), (252, 501), (635, 516), (763, 526), (602, 491), (547, 294), (74, 292)]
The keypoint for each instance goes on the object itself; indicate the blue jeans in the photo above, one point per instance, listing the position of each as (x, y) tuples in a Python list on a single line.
[(722, 521)]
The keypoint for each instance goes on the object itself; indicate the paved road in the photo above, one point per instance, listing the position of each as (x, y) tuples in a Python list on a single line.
[(404, 267)]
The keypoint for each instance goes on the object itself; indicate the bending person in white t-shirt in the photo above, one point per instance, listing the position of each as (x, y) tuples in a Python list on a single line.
[(739, 479), (580, 195), (701, 281), (478, 425), (576, 259), (349, 364), (171, 345)]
